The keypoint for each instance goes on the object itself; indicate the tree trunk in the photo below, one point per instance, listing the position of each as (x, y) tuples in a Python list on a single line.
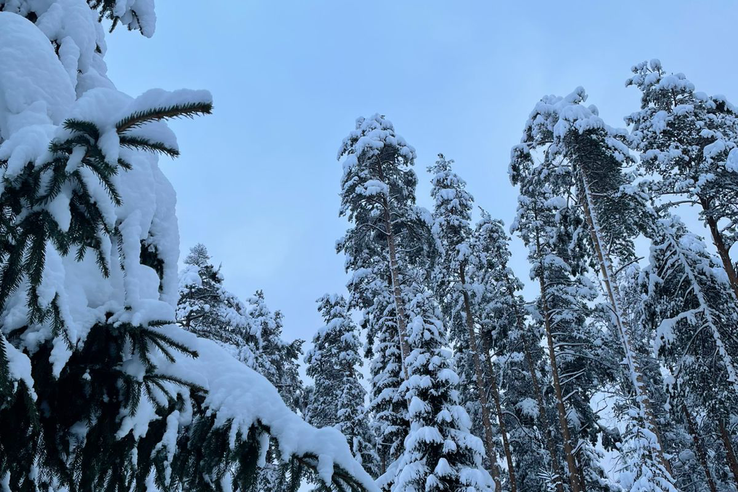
[(500, 416), (395, 275), (717, 240), (560, 408), (641, 395), (482, 394), (582, 480), (542, 420), (729, 453), (698, 447)]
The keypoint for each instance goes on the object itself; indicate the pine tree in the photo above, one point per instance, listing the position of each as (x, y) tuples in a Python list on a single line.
[(387, 237), (99, 389), (378, 197), (440, 454), (583, 161), (502, 318), (691, 311), (549, 227), (452, 229), (688, 139), (338, 397)]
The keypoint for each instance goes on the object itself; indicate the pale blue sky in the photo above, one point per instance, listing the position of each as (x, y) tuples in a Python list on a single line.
[(258, 180)]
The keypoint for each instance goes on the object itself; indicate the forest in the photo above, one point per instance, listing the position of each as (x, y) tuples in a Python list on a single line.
[(125, 369)]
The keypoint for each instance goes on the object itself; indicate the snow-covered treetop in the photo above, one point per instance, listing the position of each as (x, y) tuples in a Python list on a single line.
[(378, 193), (336, 343), (578, 156), (670, 105), (689, 142), (452, 211), (377, 163)]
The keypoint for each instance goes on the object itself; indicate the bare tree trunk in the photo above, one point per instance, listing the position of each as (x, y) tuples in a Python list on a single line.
[(395, 275), (542, 420), (729, 453), (482, 394), (560, 408), (699, 448), (612, 292), (500, 419), (717, 240)]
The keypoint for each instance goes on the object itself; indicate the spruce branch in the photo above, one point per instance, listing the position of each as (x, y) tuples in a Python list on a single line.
[(142, 143), (186, 110)]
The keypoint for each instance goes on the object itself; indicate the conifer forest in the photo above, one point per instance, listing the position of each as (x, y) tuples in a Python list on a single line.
[(129, 363)]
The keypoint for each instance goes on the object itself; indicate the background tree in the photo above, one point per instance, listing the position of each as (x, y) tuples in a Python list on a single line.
[(454, 286), (338, 396), (440, 454), (208, 310)]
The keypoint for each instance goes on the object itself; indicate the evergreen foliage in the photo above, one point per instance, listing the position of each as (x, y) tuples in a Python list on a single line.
[(338, 396)]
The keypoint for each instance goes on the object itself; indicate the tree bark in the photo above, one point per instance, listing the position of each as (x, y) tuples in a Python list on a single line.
[(542, 420), (729, 453), (560, 408), (612, 292), (698, 447), (395, 276), (482, 394), (500, 419), (717, 240)]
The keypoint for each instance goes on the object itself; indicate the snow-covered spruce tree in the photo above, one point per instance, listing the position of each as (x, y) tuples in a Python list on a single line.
[(99, 389), (502, 320), (277, 359), (550, 230), (440, 453), (676, 440), (689, 140), (583, 161), (338, 396), (690, 307), (454, 287), (208, 310)]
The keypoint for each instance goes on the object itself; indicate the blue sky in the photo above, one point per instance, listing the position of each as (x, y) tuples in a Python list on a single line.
[(258, 180)]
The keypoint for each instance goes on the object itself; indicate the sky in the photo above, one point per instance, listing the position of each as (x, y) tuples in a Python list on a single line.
[(258, 180)]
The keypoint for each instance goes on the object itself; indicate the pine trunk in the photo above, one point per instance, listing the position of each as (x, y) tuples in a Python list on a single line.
[(482, 393), (698, 447), (395, 275), (582, 481), (729, 453), (542, 420), (612, 292), (717, 239), (560, 408), (500, 417)]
